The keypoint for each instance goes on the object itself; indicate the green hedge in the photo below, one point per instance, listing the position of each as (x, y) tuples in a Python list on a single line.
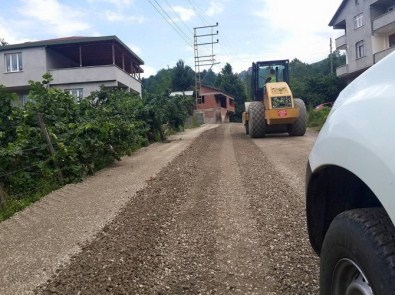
[(85, 136)]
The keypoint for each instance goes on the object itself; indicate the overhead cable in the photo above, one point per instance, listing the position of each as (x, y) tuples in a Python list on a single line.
[(171, 23)]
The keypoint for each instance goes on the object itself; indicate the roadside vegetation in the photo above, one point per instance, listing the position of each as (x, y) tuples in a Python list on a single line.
[(54, 140), (317, 118)]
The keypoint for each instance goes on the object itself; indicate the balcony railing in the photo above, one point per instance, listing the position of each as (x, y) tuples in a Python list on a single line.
[(383, 23), (380, 55), (94, 74), (341, 42), (341, 71)]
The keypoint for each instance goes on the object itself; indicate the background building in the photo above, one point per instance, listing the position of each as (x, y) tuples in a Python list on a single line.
[(78, 65), (369, 33), (215, 105)]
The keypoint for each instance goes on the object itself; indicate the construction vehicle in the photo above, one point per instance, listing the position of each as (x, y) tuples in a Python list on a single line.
[(273, 109)]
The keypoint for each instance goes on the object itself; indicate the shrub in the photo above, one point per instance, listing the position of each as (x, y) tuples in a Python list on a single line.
[(317, 118), (85, 136)]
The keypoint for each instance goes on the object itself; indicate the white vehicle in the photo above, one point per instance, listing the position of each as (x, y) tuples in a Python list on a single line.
[(350, 187)]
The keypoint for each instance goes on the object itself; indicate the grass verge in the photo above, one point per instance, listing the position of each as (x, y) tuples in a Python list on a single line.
[(316, 119)]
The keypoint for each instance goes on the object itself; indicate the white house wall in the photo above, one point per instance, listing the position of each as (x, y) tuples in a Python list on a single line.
[(33, 67), (374, 42)]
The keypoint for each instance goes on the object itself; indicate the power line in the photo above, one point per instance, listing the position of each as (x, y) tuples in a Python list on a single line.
[(197, 12), (227, 53), (24, 168), (175, 24), (181, 32), (171, 23), (175, 12)]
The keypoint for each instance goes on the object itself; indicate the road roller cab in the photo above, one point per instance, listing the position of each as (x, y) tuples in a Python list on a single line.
[(273, 108)]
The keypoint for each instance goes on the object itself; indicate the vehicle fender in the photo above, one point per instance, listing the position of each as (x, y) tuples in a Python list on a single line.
[(360, 138)]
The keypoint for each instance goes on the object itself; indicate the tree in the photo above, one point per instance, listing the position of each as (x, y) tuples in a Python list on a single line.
[(183, 77), (208, 77), (324, 66), (322, 89), (3, 42), (159, 83), (313, 82), (179, 78), (230, 83)]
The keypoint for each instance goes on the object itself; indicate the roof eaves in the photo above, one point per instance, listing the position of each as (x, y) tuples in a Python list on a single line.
[(331, 23), (218, 90), (69, 40)]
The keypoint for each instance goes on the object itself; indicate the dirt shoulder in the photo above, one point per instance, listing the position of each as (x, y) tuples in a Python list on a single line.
[(36, 241)]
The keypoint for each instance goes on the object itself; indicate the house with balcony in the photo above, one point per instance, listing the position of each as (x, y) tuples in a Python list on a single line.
[(78, 65), (368, 34), (214, 105)]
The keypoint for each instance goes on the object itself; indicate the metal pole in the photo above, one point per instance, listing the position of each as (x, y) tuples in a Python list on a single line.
[(200, 61), (330, 45)]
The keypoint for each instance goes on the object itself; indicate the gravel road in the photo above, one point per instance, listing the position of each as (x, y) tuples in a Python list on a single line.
[(34, 242), (225, 216)]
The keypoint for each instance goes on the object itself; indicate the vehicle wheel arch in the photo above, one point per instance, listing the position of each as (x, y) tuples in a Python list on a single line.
[(330, 191)]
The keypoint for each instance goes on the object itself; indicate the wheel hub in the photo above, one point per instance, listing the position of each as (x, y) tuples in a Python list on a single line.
[(348, 279)]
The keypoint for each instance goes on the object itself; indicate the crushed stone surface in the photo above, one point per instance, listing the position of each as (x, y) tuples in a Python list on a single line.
[(224, 216), (36, 241)]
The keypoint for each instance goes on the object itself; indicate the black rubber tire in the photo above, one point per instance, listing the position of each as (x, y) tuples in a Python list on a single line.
[(366, 238), (298, 128), (256, 122)]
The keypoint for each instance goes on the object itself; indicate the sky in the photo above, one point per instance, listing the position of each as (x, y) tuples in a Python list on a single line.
[(161, 32)]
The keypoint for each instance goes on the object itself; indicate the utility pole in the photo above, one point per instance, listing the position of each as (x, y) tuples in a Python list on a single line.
[(330, 50), (203, 38)]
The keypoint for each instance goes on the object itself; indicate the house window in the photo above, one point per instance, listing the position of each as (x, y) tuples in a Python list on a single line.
[(360, 49), (201, 99), (358, 21), (77, 93), (391, 40), (25, 99), (13, 62)]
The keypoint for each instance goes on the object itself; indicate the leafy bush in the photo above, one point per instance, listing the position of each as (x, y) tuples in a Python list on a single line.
[(85, 136), (165, 109), (317, 118)]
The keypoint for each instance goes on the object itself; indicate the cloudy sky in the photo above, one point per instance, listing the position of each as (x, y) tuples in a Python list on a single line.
[(161, 31)]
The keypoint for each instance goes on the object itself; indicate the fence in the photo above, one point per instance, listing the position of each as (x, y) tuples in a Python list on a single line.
[(6, 175)]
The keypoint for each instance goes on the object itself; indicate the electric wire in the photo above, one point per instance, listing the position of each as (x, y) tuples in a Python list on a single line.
[(227, 45), (229, 55), (188, 42), (198, 13), (178, 16), (24, 168), (172, 21)]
